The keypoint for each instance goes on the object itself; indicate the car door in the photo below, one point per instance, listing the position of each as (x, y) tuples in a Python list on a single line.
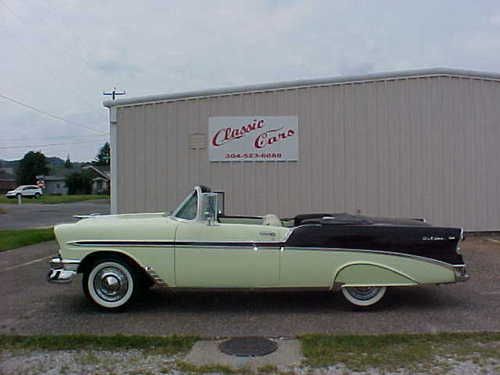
[(27, 191), (227, 255)]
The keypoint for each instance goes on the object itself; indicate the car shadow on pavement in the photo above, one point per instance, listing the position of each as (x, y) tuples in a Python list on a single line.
[(158, 300)]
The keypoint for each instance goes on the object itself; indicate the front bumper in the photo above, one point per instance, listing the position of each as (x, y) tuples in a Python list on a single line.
[(62, 271), (461, 273)]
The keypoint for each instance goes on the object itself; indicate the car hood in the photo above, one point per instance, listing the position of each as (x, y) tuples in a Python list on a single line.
[(114, 227), (120, 217)]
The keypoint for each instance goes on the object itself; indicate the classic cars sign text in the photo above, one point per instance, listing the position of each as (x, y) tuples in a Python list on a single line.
[(257, 138)]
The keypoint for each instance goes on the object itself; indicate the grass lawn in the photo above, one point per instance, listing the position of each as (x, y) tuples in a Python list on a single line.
[(164, 345), (51, 199), (416, 352), (11, 239), (425, 353)]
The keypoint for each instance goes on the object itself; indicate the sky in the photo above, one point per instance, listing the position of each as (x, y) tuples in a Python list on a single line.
[(59, 56)]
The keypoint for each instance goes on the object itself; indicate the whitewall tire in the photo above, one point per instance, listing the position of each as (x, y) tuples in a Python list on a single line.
[(110, 284), (364, 296)]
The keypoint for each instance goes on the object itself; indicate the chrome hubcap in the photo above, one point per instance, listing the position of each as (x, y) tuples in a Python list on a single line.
[(363, 293), (111, 284)]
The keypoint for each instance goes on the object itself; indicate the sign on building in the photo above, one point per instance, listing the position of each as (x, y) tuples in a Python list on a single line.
[(256, 138)]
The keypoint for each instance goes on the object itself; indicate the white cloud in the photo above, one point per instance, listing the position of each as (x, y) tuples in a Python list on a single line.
[(60, 56)]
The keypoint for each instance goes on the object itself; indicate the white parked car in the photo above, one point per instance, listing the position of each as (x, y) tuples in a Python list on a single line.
[(25, 191)]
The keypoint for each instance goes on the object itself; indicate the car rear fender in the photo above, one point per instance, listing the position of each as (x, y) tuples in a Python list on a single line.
[(370, 274)]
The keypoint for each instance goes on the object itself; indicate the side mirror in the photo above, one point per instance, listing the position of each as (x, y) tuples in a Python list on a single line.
[(220, 202), (209, 208)]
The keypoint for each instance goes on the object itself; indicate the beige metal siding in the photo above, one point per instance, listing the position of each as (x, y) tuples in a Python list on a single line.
[(418, 147)]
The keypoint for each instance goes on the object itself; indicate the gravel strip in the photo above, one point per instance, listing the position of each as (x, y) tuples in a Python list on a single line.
[(84, 362), (137, 362)]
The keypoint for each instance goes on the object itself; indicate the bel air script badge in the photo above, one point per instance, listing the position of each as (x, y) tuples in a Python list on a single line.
[(432, 238)]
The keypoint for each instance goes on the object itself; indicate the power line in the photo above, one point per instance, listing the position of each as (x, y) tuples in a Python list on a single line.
[(10, 9), (20, 19), (45, 145), (54, 137), (48, 114), (68, 31)]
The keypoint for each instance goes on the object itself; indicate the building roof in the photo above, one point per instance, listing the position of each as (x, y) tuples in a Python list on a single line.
[(50, 178), (101, 170), (421, 73)]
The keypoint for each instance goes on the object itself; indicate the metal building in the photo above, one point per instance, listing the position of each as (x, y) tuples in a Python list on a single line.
[(412, 144)]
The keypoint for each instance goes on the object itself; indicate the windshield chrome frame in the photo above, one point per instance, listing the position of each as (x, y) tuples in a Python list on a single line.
[(198, 192)]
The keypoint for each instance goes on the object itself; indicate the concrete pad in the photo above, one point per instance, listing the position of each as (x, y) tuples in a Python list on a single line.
[(205, 353)]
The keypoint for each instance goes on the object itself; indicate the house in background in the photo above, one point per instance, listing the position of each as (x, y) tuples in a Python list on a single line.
[(101, 181), (7, 180), (55, 185)]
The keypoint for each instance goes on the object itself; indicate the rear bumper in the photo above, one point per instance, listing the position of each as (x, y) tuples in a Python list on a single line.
[(461, 274), (62, 271)]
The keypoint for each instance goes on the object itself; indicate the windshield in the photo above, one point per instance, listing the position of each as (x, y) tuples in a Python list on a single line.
[(189, 208)]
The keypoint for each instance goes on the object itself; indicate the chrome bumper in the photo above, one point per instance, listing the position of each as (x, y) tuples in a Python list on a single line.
[(461, 273), (62, 271)]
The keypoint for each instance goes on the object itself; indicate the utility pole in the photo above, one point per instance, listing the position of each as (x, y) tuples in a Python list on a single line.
[(114, 93)]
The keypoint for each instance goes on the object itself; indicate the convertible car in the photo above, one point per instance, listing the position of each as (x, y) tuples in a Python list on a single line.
[(197, 246)]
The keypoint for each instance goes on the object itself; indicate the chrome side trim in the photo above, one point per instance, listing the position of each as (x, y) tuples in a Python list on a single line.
[(117, 243), (382, 252), (402, 274), (160, 243), (288, 234), (244, 244), (157, 279)]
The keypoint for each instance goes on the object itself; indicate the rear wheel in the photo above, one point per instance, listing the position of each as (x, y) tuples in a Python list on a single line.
[(364, 296), (37, 195), (110, 283)]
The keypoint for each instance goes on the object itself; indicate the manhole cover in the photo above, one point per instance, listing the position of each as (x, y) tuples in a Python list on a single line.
[(248, 346)]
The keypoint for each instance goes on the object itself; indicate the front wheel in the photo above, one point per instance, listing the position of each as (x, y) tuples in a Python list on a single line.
[(364, 296), (110, 284)]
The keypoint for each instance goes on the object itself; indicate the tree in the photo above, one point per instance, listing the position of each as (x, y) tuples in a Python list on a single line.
[(30, 166), (79, 182), (68, 164), (104, 155)]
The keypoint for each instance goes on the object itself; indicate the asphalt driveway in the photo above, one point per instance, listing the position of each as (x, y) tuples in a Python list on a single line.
[(30, 305), (34, 215)]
